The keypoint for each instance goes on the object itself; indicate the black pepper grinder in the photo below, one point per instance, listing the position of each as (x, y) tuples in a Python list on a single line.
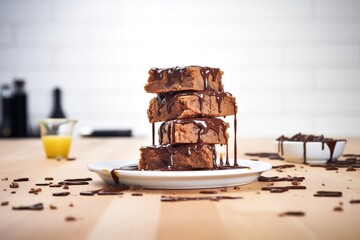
[(5, 124), (57, 111), (19, 118)]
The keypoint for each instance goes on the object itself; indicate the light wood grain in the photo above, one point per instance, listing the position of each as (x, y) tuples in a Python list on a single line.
[(256, 216)]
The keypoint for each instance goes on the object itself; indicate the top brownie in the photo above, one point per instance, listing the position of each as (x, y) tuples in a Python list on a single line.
[(196, 78)]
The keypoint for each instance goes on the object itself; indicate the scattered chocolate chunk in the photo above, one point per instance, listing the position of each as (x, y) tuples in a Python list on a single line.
[(355, 201), (14, 185), (331, 168), (61, 194), (328, 194), (71, 205), (78, 180), (70, 219), (35, 190), (74, 183), (323, 184), (21, 180), (13, 192), (341, 203), (181, 199), (71, 158), (53, 207), (351, 169), (136, 194), (4, 179), (55, 185), (65, 186), (35, 207), (208, 192), (338, 209), (295, 183), (4, 203), (48, 178), (292, 213), (42, 184), (280, 179)]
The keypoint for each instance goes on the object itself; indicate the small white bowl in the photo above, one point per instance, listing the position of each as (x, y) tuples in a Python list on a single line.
[(294, 151)]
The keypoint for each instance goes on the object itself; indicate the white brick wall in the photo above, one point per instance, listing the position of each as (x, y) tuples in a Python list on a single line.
[(293, 65)]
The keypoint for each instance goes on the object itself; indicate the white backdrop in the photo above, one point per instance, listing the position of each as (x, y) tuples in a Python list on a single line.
[(293, 65)]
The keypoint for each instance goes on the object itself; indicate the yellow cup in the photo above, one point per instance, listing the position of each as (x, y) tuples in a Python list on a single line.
[(56, 135)]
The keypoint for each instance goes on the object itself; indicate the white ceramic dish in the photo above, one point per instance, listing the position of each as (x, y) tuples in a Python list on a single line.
[(180, 179), (315, 153)]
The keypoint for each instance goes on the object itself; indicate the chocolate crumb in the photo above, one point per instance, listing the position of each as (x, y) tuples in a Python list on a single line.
[(61, 194), (13, 192), (338, 209), (331, 168), (65, 186), (49, 178), (14, 185), (70, 219), (4, 179), (71, 158), (341, 203), (237, 188), (71, 205), (258, 192), (137, 194), (295, 183), (53, 207), (4, 189), (4, 203), (21, 180), (56, 185), (224, 189), (323, 184)]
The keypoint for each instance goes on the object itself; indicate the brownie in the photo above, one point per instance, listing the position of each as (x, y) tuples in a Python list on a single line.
[(193, 130), (177, 157), (191, 104), (163, 80)]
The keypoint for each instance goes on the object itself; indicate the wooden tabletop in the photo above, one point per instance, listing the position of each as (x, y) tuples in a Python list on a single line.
[(255, 216)]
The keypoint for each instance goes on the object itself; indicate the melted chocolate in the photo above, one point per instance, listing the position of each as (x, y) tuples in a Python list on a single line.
[(328, 194), (331, 143), (167, 100), (181, 199), (204, 125), (180, 73), (35, 207)]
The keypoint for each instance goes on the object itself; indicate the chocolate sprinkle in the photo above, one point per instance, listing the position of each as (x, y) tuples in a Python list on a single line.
[(181, 199), (208, 192), (49, 179), (137, 194), (355, 201), (4, 203), (70, 219), (78, 180)]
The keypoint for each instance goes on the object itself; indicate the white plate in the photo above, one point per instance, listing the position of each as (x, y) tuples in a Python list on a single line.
[(180, 179), (315, 154)]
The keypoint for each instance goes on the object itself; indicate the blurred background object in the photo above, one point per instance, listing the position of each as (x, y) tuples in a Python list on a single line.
[(293, 65)]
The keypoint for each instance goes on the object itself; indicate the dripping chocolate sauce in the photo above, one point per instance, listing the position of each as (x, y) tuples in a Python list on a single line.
[(331, 143)]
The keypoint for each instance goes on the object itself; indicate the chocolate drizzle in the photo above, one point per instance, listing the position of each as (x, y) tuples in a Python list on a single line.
[(331, 143), (168, 99), (181, 73), (204, 125)]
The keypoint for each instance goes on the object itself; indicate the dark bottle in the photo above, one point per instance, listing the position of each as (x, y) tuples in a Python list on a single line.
[(57, 111), (5, 124), (19, 109)]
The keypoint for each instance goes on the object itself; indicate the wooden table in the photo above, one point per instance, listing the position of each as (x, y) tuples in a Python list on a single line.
[(256, 216)]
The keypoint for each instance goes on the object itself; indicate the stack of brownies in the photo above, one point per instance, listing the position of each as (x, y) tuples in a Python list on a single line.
[(188, 101)]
